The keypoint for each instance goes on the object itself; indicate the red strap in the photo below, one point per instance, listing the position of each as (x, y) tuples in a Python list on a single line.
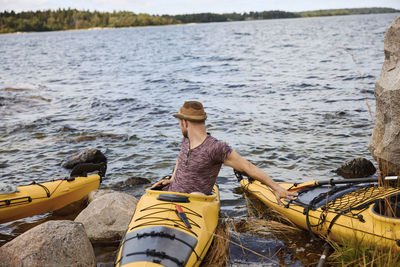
[(179, 209)]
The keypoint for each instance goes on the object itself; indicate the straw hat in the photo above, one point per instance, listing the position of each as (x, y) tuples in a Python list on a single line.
[(191, 111)]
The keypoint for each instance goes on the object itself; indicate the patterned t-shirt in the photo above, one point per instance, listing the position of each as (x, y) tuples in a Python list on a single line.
[(198, 168)]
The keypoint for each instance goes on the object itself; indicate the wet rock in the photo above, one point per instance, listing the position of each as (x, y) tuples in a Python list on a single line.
[(82, 169), (86, 156), (85, 138), (54, 243), (385, 141), (3, 165), (130, 182), (37, 97), (15, 89), (107, 217), (94, 137), (356, 168), (98, 193), (66, 128)]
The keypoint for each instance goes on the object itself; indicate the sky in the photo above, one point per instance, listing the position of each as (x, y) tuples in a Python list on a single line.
[(173, 7)]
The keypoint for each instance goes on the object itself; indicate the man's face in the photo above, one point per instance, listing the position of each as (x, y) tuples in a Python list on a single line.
[(183, 126)]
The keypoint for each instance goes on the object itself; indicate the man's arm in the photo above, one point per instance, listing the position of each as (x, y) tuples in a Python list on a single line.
[(235, 161), (164, 182)]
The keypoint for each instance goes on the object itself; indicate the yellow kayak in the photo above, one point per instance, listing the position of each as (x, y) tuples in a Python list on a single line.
[(170, 229), (39, 198), (339, 212)]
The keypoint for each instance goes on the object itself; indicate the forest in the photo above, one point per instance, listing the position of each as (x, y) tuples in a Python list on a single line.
[(69, 19)]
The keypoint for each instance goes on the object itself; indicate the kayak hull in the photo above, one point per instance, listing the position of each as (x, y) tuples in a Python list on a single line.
[(158, 236), (364, 225), (45, 197)]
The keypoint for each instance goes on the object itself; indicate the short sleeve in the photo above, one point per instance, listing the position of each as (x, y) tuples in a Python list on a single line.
[(220, 151)]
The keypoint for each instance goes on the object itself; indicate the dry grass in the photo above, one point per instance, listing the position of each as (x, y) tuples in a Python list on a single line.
[(265, 228), (218, 254), (257, 209)]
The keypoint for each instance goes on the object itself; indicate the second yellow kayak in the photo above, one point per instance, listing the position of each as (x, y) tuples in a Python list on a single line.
[(341, 213)]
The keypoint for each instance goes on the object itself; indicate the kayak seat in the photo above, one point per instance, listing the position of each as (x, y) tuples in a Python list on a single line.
[(382, 208)]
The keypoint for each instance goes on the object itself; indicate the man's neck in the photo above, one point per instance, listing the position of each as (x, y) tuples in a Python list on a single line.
[(197, 137)]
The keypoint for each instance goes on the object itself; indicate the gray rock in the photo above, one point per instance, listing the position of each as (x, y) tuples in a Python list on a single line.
[(86, 156), (356, 168), (107, 217), (98, 193), (53, 243), (130, 182), (385, 141)]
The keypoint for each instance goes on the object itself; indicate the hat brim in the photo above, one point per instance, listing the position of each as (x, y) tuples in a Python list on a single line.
[(190, 118)]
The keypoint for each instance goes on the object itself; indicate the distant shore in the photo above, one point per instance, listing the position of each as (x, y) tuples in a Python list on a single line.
[(72, 19)]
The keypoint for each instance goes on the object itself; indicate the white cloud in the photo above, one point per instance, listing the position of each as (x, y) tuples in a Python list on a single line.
[(24, 5)]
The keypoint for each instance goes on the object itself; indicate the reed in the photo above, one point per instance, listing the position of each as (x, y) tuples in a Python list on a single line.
[(355, 253)]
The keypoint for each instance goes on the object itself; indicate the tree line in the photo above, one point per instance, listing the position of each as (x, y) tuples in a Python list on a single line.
[(212, 17), (349, 11), (68, 19)]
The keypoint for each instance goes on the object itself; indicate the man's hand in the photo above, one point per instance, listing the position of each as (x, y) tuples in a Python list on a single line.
[(161, 184), (281, 192)]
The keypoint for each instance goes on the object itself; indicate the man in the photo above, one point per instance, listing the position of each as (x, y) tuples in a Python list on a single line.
[(202, 156)]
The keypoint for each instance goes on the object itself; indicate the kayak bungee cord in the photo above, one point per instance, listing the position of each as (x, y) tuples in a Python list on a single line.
[(166, 207), (44, 187)]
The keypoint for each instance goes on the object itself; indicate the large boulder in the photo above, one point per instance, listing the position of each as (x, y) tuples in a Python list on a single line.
[(107, 217), (86, 156), (98, 193), (385, 141), (53, 243)]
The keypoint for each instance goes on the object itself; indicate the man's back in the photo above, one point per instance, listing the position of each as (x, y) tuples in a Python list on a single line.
[(198, 168)]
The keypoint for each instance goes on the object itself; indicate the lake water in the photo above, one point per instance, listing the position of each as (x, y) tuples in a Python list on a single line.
[(289, 95)]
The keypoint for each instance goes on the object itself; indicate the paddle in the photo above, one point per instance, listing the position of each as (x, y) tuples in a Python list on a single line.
[(344, 181), (296, 186)]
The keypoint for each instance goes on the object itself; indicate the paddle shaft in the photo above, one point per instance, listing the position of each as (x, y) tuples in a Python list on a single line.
[(354, 181)]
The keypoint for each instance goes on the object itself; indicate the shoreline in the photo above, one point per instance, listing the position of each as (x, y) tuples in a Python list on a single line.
[(193, 23)]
